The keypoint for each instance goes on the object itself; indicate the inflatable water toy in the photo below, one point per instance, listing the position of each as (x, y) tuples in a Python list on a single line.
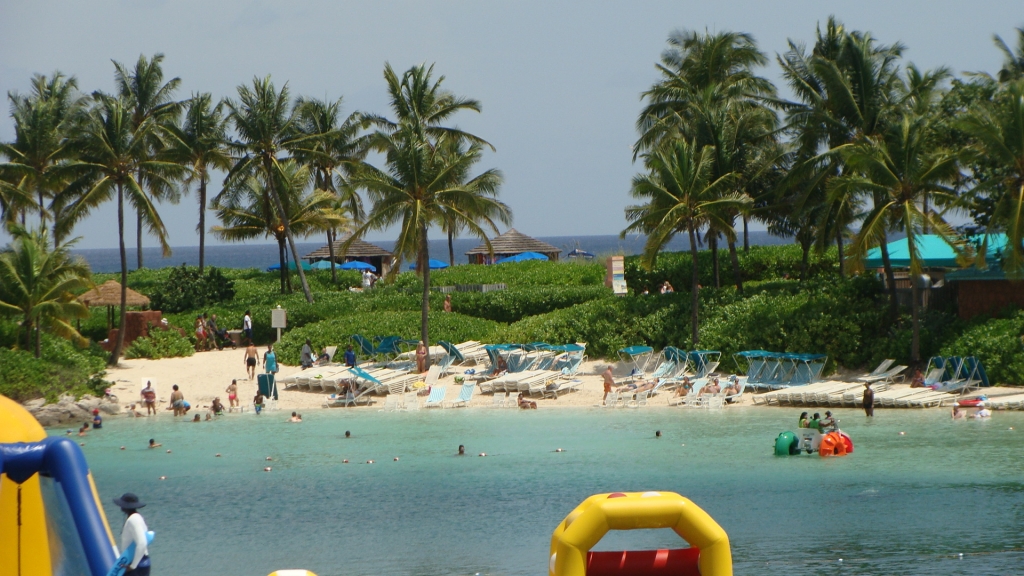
[(292, 573), (810, 440), (972, 402), (708, 555), (46, 482)]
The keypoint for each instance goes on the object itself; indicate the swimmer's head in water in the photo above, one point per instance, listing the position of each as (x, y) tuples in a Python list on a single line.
[(462, 449), (657, 433), (152, 441), (347, 434), (293, 414)]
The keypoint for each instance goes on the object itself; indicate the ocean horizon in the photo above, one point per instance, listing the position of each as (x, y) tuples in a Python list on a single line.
[(252, 255)]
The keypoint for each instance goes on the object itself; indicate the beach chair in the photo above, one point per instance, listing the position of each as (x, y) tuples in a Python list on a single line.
[(465, 395), (364, 345), (392, 403), (637, 357), (639, 399), (411, 402), (881, 369), (436, 397), (889, 376), (564, 387), (610, 401), (457, 358), (498, 401)]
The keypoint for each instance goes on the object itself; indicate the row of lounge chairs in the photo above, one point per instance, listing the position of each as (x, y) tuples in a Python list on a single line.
[(671, 363), (774, 370)]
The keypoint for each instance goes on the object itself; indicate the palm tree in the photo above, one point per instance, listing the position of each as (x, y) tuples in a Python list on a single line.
[(331, 147), (479, 205), (418, 187), (38, 157), (114, 160), (265, 126), (1013, 60), (39, 283), (200, 143), (148, 97), (998, 133), (247, 214), (848, 87), (682, 195), (900, 167)]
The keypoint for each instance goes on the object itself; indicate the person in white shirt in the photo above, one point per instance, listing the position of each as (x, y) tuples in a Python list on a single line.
[(134, 532), (247, 326)]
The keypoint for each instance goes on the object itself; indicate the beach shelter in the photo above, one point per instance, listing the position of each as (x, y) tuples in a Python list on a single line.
[(357, 265), (433, 264), (291, 266), (358, 250), (638, 357), (509, 244), (109, 294), (523, 257), (933, 251)]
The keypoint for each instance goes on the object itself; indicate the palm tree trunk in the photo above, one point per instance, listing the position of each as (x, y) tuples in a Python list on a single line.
[(27, 325), (746, 235), (119, 341), (451, 249), (924, 210), (842, 259), (915, 340), (736, 274), (713, 242), (425, 305), (138, 240), (805, 247), (694, 287), (39, 347), (287, 229), (283, 265), (202, 221), (330, 252), (890, 279)]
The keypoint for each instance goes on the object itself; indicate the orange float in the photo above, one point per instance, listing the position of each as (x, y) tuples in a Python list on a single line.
[(832, 444)]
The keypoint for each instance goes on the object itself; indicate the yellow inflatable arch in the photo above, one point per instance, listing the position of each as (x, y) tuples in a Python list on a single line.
[(584, 527)]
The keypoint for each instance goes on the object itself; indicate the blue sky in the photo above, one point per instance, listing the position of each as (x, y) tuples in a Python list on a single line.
[(559, 81)]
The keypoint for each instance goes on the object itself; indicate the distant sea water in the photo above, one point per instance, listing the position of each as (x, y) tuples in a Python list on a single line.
[(264, 255)]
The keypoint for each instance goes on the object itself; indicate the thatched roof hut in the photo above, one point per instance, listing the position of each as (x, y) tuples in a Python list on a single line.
[(509, 244), (359, 250), (109, 294)]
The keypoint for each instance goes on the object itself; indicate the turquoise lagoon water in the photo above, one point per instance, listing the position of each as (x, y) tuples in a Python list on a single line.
[(899, 505)]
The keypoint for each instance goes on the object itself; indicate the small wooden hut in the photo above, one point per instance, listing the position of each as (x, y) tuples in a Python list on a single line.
[(359, 250), (509, 244), (109, 294)]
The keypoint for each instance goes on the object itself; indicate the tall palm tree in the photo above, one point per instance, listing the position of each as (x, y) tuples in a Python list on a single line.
[(148, 97), (38, 157), (265, 126), (848, 87), (416, 188), (246, 212), (901, 167), (200, 143), (998, 133), (1013, 59), (114, 160), (681, 194), (332, 147), (38, 283)]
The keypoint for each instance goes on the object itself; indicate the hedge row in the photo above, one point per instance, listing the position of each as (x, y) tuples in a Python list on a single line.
[(999, 343), (61, 369)]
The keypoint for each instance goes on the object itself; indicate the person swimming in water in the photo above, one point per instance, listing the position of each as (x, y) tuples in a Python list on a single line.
[(154, 444), (462, 450)]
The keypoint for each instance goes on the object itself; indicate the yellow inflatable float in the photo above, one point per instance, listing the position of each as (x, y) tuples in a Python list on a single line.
[(708, 555)]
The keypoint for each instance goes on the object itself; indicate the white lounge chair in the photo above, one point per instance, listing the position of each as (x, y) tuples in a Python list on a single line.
[(436, 397), (465, 395)]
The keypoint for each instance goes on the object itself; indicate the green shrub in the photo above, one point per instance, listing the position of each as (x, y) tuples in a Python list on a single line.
[(529, 273), (998, 343), (61, 369), (338, 331), (160, 344), (761, 263), (187, 289), (515, 304), (604, 324)]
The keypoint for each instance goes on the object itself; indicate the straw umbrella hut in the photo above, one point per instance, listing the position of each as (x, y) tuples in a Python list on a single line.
[(109, 294), (360, 250), (509, 244)]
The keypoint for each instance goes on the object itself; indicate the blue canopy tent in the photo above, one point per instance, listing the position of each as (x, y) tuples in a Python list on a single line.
[(639, 357), (523, 257), (773, 370), (357, 265), (933, 251), (433, 264), (291, 266)]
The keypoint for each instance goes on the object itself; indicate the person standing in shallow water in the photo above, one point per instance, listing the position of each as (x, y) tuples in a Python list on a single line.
[(134, 532), (869, 401)]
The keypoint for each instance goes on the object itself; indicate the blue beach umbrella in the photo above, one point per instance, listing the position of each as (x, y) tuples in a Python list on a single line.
[(322, 265), (523, 257), (434, 264), (291, 266), (357, 265)]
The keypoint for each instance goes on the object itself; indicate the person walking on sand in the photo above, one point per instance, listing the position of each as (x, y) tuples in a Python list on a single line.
[(270, 360), (421, 357), (232, 391), (609, 381), (869, 400), (148, 395), (177, 401), (134, 532), (247, 326), (250, 360)]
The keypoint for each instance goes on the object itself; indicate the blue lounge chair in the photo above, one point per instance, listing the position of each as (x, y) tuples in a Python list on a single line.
[(465, 395), (436, 397)]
